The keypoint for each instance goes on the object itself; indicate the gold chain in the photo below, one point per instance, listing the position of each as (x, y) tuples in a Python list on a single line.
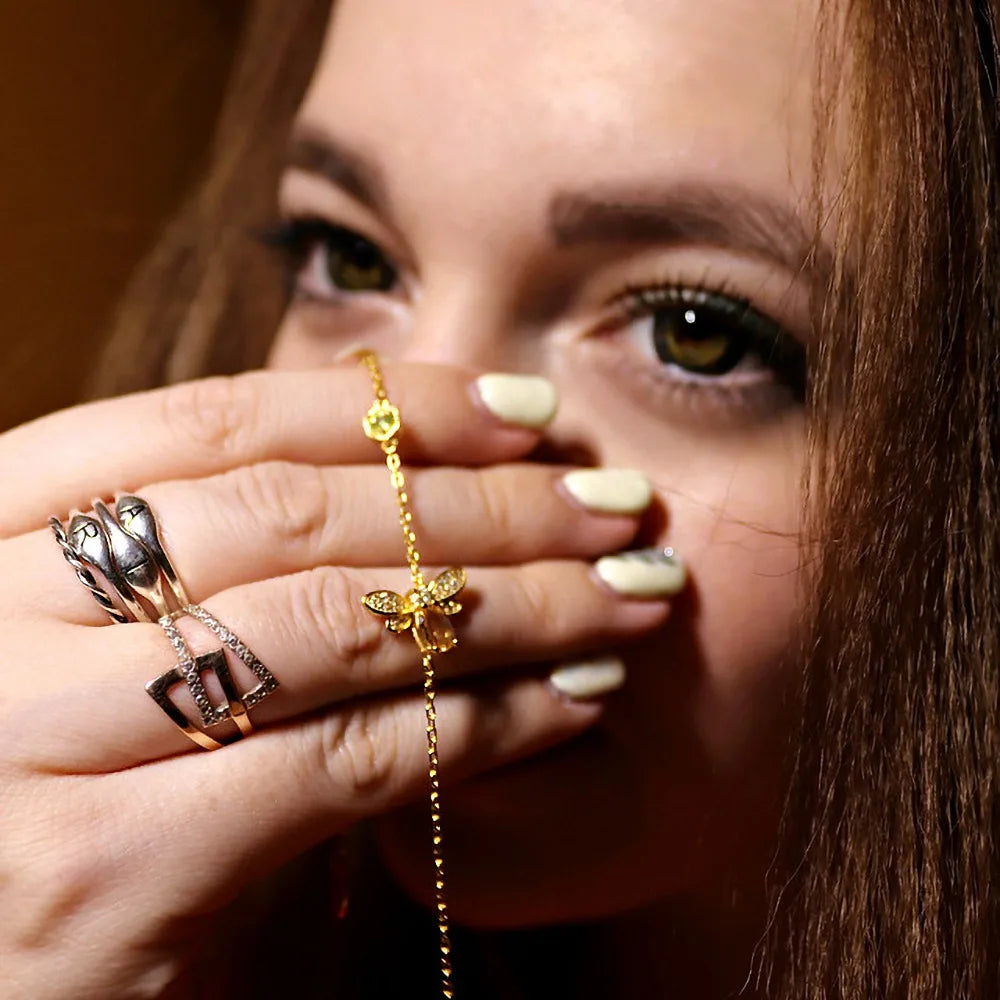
[(424, 610)]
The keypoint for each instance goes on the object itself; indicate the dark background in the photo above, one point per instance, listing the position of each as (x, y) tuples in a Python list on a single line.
[(106, 113)]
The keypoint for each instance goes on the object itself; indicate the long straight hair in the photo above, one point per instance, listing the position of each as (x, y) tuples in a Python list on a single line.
[(884, 886), (887, 882)]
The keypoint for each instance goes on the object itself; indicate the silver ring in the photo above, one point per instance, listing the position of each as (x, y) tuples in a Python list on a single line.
[(137, 519), (126, 548), (83, 573)]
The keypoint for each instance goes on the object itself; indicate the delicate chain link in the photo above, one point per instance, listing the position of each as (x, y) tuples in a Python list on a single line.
[(437, 851), (383, 425)]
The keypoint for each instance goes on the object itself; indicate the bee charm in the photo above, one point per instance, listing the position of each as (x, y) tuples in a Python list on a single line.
[(424, 609)]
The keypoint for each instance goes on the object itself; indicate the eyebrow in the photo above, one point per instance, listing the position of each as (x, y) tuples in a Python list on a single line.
[(732, 217), (685, 213), (349, 169)]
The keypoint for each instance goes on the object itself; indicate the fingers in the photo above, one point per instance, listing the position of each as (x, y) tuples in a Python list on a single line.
[(250, 806), (322, 644), (201, 428), (277, 518)]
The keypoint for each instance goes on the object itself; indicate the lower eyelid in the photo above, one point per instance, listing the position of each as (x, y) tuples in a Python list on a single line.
[(709, 403), (675, 394), (734, 379)]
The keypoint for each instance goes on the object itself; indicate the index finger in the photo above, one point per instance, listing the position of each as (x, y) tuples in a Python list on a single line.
[(451, 415)]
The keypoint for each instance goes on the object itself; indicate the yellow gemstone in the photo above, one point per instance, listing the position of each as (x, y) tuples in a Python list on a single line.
[(433, 631), (382, 421)]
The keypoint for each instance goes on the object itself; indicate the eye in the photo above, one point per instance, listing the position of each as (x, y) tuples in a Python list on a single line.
[(325, 260), (354, 264), (703, 335)]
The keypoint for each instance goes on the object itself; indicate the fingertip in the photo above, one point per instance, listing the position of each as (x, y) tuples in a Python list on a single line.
[(525, 402)]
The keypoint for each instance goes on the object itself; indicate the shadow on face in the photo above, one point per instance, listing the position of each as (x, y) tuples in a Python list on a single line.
[(608, 195)]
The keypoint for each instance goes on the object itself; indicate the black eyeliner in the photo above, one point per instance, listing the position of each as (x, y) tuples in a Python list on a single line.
[(780, 350)]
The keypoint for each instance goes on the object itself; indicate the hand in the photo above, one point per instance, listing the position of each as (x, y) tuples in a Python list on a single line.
[(277, 513)]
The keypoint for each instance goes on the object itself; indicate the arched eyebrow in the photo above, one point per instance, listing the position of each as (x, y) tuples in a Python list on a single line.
[(354, 172), (683, 213), (689, 213)]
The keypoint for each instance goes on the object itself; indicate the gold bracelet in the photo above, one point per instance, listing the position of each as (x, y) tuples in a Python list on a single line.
[(424, 610)]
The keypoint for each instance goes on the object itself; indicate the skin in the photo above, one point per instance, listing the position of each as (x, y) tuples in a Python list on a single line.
[(477, 116), (645, 809)]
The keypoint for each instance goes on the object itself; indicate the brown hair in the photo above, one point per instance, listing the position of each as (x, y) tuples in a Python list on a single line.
[(886, 883), (884, 887), (210, 296)]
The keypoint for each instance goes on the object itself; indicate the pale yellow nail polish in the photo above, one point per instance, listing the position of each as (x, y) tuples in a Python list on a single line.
[(583, 680), (526, 400), (643, 573), (609, 491)]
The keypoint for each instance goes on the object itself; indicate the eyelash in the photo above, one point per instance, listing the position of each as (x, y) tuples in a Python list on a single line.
[(295, 239), (756, 335), (777, 350)]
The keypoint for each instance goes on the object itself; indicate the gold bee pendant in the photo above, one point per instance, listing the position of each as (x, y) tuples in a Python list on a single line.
[(424, 609)]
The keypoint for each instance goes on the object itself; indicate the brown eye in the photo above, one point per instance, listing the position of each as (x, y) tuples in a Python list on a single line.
[(698, 340), (353, 264), (323, 259), (711, 334)]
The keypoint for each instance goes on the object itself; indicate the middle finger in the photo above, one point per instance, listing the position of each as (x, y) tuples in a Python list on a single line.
[(276, 518)]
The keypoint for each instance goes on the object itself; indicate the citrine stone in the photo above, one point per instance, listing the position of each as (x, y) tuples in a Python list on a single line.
[(382, 421), (433, 630)]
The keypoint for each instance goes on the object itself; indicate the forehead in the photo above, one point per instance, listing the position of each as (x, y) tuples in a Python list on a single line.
[(452, 95)]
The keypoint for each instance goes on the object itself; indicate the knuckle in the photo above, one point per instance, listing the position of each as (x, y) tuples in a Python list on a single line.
[(540, 613), (284, 502), (497, 503), (360, 751), (214, 414), (331, 607)]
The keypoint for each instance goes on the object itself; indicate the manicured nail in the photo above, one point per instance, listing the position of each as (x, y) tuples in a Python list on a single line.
[(585, 679), (643, 573), (528, 400), (611, 491)]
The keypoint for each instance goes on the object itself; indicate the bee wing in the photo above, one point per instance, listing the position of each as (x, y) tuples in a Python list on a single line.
[(386, 602), (393, 606), (398, 623), (447, 584)]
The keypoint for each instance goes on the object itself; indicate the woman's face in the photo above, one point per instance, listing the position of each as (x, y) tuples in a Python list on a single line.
[(608, 194)]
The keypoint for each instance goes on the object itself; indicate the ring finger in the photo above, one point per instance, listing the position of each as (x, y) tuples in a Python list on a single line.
[(312, 631)]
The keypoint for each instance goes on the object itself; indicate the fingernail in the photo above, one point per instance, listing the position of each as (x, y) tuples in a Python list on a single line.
[(643, 573), (585, 679), (527, 400), (610, 491)]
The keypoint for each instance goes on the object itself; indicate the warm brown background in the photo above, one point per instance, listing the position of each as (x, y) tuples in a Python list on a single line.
[(106, 109)]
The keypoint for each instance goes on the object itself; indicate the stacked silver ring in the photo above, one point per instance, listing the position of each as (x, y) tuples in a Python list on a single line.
[(124, 546)]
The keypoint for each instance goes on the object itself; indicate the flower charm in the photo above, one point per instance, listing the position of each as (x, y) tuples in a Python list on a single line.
[(424, 609)]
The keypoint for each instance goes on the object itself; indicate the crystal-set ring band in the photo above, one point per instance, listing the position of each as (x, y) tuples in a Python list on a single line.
[(123, 544), (191, 669)]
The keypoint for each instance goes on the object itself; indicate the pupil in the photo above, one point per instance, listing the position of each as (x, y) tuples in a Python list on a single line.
[(697, 341), (364, 255), (356, 265)]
